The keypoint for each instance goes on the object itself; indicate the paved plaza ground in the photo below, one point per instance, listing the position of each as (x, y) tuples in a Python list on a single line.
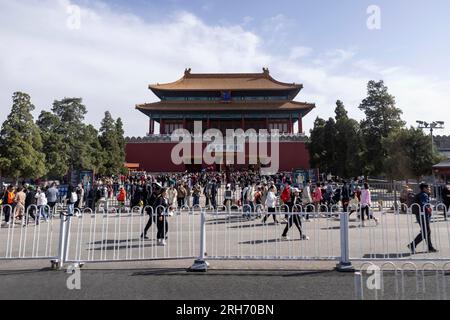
[(176, 284)]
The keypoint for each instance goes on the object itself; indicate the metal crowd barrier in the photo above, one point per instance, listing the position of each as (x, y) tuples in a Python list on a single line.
[(242, 234), (116, 236), (407, 281), (28, 238), (224, 233), (389, 237)]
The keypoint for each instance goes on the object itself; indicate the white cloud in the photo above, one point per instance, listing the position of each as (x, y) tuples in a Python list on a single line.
[(113, 57), (300, 52)]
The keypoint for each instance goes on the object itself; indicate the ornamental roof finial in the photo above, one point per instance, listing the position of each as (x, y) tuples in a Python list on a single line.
[(266, 71), (187, 71)]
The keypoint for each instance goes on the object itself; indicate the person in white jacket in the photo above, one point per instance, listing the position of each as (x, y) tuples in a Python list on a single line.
[(271, 202), (172, 196), (307, 199), (366, 203), (41, 202)]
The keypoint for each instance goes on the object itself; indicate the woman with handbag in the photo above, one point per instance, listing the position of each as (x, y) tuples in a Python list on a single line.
[(271, 202), (366, 203)]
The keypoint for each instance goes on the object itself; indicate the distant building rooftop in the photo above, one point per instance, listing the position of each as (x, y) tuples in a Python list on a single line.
[(226, 81)]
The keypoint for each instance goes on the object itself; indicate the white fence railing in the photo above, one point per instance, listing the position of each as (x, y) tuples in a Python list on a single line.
[(227, 233), (402, 281)]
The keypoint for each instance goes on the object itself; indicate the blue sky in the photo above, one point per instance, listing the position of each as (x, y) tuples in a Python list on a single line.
[(415, 33), (122, 46)]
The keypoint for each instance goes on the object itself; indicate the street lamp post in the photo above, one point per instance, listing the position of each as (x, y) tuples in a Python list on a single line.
[(431, 126), (435, 125)]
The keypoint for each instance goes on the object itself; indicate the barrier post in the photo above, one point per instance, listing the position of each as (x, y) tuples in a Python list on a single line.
[(58, 264), (200, 265), (359, 294), (344, 264), (395, 196)]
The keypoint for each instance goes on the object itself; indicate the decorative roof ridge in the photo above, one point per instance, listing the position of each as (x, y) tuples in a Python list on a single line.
[(189, 75), (222, 102)]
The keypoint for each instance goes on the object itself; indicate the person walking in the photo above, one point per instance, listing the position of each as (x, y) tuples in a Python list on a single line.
[(345, 196), (30, 206), (19, 201), (294, 217), (366, 203), (187, 200), (80, 194), (246, 200), (71, 199), (52, 195), (317, 197), (423, 213), (196, 192), (8, 205), (121, 198), (162, 207), (172, 195), (446, 197), (307, 198), (214, 190), (271, 202), (151, 208), (41, 201), (181, 195)]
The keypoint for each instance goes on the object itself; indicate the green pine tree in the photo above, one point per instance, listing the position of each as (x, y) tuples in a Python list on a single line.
[(56, 151), (112, 145), (409, 154), (382, 118), (71, 113), (20, 141)]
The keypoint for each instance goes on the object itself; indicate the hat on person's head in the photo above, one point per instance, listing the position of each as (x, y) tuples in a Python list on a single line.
[(424, 185), (157, 184)]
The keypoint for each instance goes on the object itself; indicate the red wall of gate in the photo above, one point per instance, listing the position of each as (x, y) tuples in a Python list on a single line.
[(156, 157)]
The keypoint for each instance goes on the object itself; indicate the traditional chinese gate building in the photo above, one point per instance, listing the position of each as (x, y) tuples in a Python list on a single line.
[(221, 101)]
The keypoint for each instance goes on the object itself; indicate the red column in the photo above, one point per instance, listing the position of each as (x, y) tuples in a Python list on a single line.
[(150, 128), (208, 124), (291, 125), (300, 123), (162, 127), (267, 124), (184, 123), (243, 123)]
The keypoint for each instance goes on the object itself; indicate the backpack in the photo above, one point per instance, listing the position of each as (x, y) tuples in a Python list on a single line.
[(416, 205), (10, 198), (73, 197), (286, 195), (121, 196)]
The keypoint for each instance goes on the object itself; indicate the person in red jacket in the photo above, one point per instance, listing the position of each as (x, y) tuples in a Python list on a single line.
[(121, 197)]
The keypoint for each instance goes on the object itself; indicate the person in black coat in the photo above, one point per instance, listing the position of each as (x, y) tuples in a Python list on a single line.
[(446, 197), (345, 196), (30, 205), (162, 206), (150, 207), (294, 217)]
